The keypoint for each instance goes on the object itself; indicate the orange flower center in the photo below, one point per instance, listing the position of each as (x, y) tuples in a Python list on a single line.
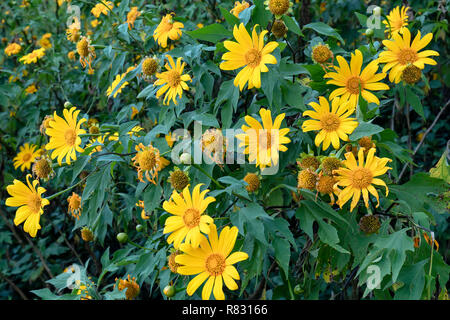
[(70, 136), (253, 57), (279, 7), (82, 48), (353, 85), (34, 203), (330, 122), (75, 202), (361, 178), (147, 160), (191, 218), (406, 56), (173, 78), (215, 264), (26, 157), (265, 139)]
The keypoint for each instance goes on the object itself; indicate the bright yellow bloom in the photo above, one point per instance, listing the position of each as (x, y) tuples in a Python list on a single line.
[(30, 202), (12, 48), (250, 53), (212, 262), (263, 142), (359, 178), (148, 161), (170, 139), (188, 220), (101, 8), (239, 7), (94, 23), (44, 42), (71, 55), (401, 52), (132, 15), (397, 20), (116, 81), (26, 156), (353, 81), (73, 32), (173, 81), (33, 56), (65, 135), (167, 28), (31, 89), (100, 140), (333, 124), (131, 286)]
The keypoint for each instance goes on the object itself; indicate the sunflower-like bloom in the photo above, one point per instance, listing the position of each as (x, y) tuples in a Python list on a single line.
[(148, 161), (33, 56), (354, 82), (132, 15), (239, 7), (131, 286), (397, 20), (167, 28), (263, 142), (30, 202), (26, 156), (101, 8), (250, 53), (212, 262), (13, 48), (116, 82), (44, 42), (65, 135), (401, 53), (333, 124), (358, 177), (173, 81), (188, 220)]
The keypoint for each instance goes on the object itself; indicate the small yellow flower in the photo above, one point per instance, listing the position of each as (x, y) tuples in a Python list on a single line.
[(253, 182), (239, 7), (102, 8), (71, 55), (150, 66), (167, 29), (140, 204), (13, 48), (131, 286), (74, 205), (116, 82), (397, 20), (148, 161), (26, 156), (33, 56), (31, 89), (132, 15), (278, 7), (44, 42), (86, 52), (95, 23)]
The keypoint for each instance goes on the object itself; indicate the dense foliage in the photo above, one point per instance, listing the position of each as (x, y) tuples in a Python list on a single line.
[(348, 199)]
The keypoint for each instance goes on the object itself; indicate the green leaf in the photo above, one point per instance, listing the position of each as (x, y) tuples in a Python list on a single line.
[(441, 170), (413, 279), (324, 29), (365, 129), (229, 18), (292, 25), (282, 253), (213, 33), (414, 101)]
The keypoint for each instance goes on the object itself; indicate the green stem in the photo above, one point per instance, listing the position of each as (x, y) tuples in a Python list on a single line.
[(431, 267), (67, 189)]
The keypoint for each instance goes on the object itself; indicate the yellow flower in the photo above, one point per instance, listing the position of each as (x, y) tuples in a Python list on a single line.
[(170, 139), (353, 81), (148, 161), (333, 124), (167, 28), (100, 139), (239, 7), (71, 55), (212, 261), (188, 220), (150, 66), (74, 205), (263, 142), (30, 202), (278, 7), (173, 81), (359, 178), (86, 52), (134, 112), (44, 42), (33, 56), (250, 53), (102, 8), (140, 204), (31, 89), (397, 20), (73, 32), (200, 25), (94, 23), (132, 15), (401, 52), (13, 48), (131, 286), (65, 135), (26, 156), (116, 81)]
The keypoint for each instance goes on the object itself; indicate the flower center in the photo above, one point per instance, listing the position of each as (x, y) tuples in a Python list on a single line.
[(71, 137), (265, 139), (26, 157), (361, 178), (253, 57), (411, 74), (82, 48), (34, 203), (279, 7), (406, 56), (147, 160), (173, 78), (215, 264), (330, 122), (353, 85), (191, 218), (321, 53)]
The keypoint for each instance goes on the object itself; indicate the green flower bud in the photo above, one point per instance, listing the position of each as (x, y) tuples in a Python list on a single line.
[(122, 237)]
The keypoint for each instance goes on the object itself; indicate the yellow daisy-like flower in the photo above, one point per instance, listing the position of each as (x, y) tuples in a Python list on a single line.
[(132, 15), (354, 82), (31, 89), (401, 52), (101, 8), (73, 32), (26, 156), (13, 48), (239, 7), (263, 142), (101, 140), (173, 81), (358, 177), (250, 53), (333, 124), (167, 29), (30, 202), (44, 42), (33, 56), (116, 81), (213, 262), (148, 161), (397, 20), (188, 220), (65, 135)]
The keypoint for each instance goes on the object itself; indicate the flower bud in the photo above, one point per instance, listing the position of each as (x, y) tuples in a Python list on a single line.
[(185, 158), (67, 104), (169, 291), (369, 32), (139, 228), (122, 237)]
